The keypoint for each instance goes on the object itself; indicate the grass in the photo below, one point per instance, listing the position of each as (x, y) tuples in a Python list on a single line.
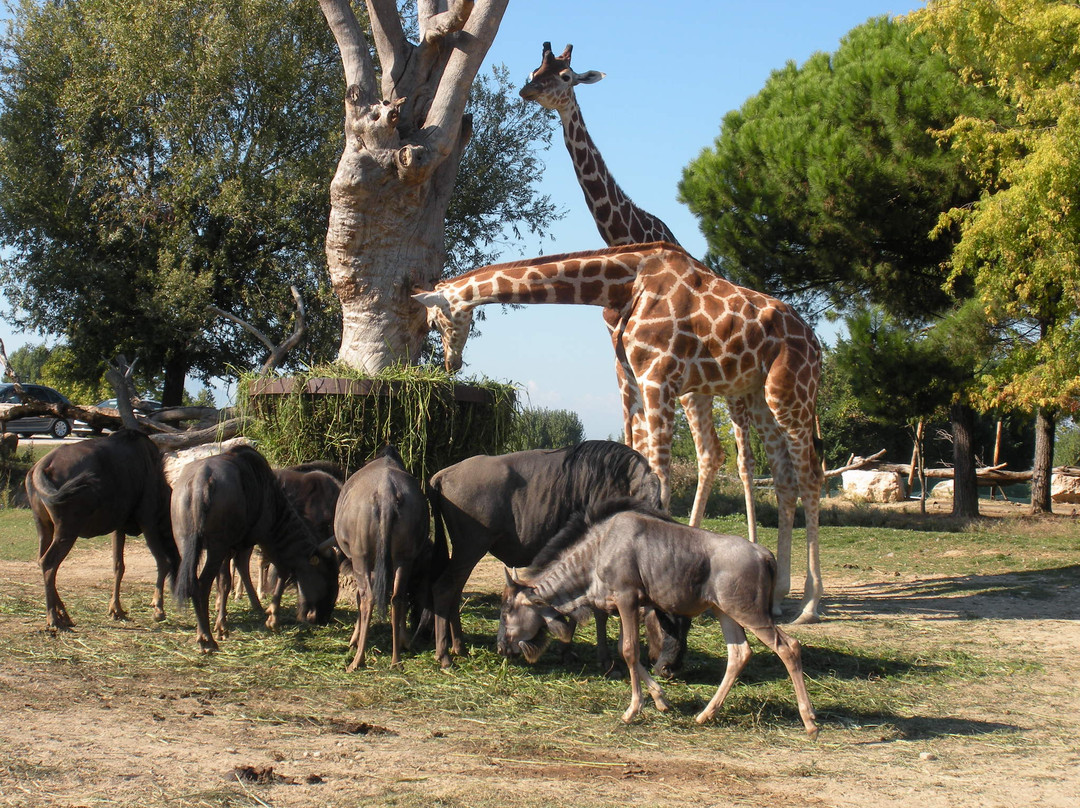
[(884, 680)]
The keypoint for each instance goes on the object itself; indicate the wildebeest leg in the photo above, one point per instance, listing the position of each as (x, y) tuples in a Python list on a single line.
[(789, 651), (603, 653), (274, 608), (667, 641), (224, 587), (116, 611), (364, 603), (242, 565), (201, 603), (166, 565), (53, 548), (399, 609), (446, 604), (631, 652), (738, 654)]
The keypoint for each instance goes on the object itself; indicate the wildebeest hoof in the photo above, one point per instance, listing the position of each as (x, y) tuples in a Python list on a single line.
[(118, 614), (159, 615), (630, 715), (207, 645), (445, 662), (662, 704)]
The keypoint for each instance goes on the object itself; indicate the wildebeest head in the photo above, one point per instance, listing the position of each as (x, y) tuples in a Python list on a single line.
[(525, 622), (317, 591)]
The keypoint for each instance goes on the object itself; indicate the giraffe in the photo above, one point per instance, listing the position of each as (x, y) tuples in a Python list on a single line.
[(620, 221), (682, 329)]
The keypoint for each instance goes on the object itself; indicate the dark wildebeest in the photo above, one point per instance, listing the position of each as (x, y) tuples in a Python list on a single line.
[(232, 501), (624, 556), (382, 529), (313, 489), (112, 485), (511, 505)]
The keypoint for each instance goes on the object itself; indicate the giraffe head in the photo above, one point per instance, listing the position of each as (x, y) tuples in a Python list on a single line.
[(453, 322), (552, 84)]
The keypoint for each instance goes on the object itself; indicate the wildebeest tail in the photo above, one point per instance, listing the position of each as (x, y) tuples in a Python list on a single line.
[(190, 542), (53, 495), (382, 573), (440, 550)]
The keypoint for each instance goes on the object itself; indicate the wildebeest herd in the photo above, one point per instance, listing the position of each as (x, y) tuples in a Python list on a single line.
[(579, 529)]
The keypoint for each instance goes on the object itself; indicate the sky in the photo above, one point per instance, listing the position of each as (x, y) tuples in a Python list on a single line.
[(670, 79)]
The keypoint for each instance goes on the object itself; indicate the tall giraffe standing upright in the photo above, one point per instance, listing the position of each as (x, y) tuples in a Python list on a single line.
[(683, 329), (620, 221)]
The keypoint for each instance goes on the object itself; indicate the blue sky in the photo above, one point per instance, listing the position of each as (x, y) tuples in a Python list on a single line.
[(670, 80)]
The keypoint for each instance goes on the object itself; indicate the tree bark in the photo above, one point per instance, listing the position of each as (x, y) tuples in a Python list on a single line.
[(1042, 468), (965, 483), (172, 389), (403, 142)]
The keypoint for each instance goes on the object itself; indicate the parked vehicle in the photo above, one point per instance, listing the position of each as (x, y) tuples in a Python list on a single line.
[(148, 405), (36, 424)]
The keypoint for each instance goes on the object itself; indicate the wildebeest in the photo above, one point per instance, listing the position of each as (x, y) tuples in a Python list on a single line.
[(313, 489), (232, 501), (382, 528), (624, 556), (511, 505), (109, 485)]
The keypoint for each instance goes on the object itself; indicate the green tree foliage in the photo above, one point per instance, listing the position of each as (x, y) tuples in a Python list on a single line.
[(157, 157), (28, 362), (1067, 444), (540, 428), (824, 186), (1020, 241)]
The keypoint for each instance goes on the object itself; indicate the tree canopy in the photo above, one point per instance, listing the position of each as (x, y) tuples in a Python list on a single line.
[(158, 157), (823, 188), (1020, 240)]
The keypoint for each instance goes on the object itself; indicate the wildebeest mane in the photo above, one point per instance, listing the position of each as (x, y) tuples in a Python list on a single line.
[(579, 523), (596, 466)]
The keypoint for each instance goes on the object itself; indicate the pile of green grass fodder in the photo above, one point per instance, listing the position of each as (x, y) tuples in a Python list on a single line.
[(340, 415)]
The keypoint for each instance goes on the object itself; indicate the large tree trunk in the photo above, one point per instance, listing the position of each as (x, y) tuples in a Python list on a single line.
[(1042, 468), (172, 390), (965, 482), (403, 143)]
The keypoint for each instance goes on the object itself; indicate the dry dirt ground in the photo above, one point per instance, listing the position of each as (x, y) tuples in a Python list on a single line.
[(74, 738)]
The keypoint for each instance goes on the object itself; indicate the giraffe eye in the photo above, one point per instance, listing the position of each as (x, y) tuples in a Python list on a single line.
[(565, 77)]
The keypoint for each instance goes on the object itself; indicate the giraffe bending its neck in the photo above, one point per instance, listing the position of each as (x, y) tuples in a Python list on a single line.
[(620, 221), (683, 330)]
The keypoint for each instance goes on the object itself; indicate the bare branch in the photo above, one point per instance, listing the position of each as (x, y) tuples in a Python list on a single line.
[(8, 370), (438, 26), (279, 352), (359, 69), (390, 43)]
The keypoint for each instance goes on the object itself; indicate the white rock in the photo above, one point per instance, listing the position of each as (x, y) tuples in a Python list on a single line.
[(943, 489), (1065, 488), (874, 486)]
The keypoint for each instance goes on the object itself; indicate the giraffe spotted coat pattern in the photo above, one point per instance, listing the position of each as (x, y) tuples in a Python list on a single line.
[(682, 330)]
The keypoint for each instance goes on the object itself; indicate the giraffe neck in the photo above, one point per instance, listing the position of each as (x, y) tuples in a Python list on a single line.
[(594, 278), (617, 218)]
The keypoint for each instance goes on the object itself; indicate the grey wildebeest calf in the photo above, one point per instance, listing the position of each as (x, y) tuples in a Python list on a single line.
[(112, 485), (382, 528), (232, 501), (511, 506), (624, 556)]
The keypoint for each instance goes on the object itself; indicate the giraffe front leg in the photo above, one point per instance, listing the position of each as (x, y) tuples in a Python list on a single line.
[(710, 453)]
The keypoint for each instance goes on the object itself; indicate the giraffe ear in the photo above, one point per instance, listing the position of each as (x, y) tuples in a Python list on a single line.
[(588, 77), (432, 300)]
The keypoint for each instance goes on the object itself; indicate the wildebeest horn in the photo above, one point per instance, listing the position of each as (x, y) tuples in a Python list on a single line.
[(512, 576), (329, 544)]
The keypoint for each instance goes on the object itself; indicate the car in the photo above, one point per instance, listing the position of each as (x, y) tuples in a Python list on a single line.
[(36, 424), (149, 405)]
